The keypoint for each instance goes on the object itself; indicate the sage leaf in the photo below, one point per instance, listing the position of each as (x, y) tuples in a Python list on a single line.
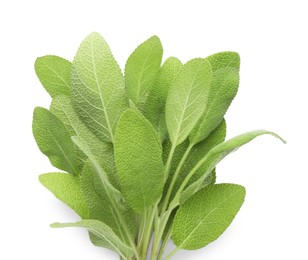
[(138, 158), (197, 153), (54, 74), (216, 154), (54, 140), (97, 86), (85, 148), (62, 107), (225, 81), (66, 188), (102, 206), (187, 99), (156, 101), (141, 69), (104, 232), (206, 215)]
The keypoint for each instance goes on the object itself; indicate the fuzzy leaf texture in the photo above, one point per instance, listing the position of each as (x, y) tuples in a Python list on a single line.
[(156, 101), (54, 140), (54, 74), (139, 151), (206, 215), (105, 233), (224, 85), (187, 98), (66, 188), (141, 69), (97, 86), (216, 154), (138, 157)]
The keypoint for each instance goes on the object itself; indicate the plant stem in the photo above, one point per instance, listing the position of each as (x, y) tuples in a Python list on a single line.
[(164, 244), (169, 160), (172, 253), (174, 178), (159, 231), (148, 231), (176, 198)]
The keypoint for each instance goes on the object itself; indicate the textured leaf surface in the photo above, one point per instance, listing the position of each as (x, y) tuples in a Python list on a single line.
[(197, 153), (138, 157), (85, 148), (67, 189), (141, 69), (104, 232), (98, 89), (225, 81), (54, 74), (62, 107), (156, 101), (216, 154), (100, 206), (206, 215), (54, 140), (187, 99)]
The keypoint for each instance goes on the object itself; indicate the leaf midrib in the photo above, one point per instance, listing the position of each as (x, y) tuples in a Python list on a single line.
[(100, 93), (207, 216)]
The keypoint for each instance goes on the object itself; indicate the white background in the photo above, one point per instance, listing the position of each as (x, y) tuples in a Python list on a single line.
[(271, 37)]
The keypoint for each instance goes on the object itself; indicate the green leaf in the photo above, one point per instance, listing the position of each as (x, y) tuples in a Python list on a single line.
[(196, 154), (138, 157), (187, 99), (67, 189), (201, 149), (98, 89), (100, 205), (176, 158), (105, 233), (206, 215), (54, 140), (225, 81), (141, 69), (156, 101), (62, 107), (216, 154), (85, 148), (54, 74)]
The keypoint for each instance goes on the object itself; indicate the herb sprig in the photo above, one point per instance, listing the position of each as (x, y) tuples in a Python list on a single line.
[(139, 151)]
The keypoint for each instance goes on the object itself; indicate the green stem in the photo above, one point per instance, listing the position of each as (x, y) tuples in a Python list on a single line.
[(159, 231), (175, 202), (174, 178), (142, 227), (148, 231), (169, 160), (172, 253), (164, 244)]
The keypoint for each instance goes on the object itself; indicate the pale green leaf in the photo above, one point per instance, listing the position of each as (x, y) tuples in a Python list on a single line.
[(62, 107), (101, 204), (201, 149), (196, 154), (54, 74), (85, 148), (98, 88), (138, 157), (104, 232), (225, 81), (216, 154), (54, 140), (141, 69), (176, 158), (156, 101), (206, 215), (187, 99), (67, 189)]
